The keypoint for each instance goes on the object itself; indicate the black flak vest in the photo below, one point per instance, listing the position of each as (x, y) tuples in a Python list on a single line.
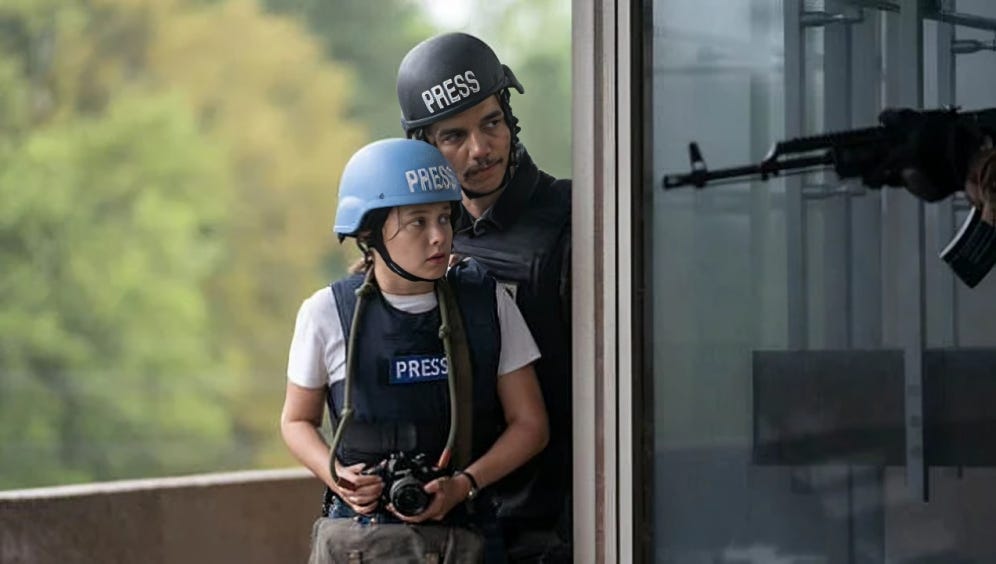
[(524, 243)]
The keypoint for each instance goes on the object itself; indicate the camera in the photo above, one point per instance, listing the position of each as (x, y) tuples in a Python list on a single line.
[(404, 482)]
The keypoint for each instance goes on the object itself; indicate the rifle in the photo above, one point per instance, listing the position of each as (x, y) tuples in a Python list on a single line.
[(850, 153)]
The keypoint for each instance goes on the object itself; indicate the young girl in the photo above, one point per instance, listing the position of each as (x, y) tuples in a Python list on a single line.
[(380, 345)]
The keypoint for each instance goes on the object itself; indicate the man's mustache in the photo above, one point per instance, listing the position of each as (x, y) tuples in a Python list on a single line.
[(481, 165)]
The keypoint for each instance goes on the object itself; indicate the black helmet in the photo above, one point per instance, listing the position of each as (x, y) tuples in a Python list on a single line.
[(447, 74)]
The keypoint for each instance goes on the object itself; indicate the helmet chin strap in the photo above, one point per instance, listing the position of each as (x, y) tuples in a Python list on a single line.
[(378, 244), (475, 195)]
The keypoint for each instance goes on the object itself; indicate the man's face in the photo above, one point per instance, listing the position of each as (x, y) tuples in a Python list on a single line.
[(476, 142)]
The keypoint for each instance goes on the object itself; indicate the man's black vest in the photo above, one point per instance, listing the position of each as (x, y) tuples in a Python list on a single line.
[(524, 242), (399, 390)]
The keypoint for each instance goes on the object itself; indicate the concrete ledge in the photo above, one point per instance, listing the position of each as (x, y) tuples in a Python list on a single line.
[(256, 516)]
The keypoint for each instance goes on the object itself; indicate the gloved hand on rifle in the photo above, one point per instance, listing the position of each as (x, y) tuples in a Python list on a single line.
[(931, 155)]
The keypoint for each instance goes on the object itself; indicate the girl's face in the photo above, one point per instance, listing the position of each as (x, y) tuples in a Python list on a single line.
[(419, 238)]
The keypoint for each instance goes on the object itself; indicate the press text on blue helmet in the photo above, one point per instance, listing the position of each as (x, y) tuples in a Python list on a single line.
[(431, 179)]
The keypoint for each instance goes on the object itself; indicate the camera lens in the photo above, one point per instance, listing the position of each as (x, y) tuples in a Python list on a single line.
[(408, 497)]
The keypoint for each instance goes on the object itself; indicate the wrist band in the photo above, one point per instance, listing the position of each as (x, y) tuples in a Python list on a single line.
[(473, 482), (472, 494)]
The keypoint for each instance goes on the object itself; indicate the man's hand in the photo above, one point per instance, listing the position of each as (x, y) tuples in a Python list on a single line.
[(360, 491), (980, 188), (932, 154)]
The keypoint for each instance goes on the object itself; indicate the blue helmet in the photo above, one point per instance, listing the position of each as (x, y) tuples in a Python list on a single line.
[(389, 173)]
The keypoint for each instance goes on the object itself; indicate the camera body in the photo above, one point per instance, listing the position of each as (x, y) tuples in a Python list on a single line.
[(404, 479)]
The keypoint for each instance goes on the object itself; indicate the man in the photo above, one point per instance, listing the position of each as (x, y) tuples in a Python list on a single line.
[(935, 157), (454, 94)]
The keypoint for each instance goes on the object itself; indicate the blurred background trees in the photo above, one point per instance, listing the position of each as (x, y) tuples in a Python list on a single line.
[(168, 173)]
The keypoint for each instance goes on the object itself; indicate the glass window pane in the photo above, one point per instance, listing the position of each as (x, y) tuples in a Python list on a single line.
[(783, 400)]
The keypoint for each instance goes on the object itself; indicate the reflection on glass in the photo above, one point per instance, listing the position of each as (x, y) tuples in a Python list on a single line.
[(779, 441)]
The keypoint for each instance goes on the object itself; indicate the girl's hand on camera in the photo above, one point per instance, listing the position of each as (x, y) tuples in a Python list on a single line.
[(360, 491)]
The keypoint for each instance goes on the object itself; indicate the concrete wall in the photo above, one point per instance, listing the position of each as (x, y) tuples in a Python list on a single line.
[(245, 517)]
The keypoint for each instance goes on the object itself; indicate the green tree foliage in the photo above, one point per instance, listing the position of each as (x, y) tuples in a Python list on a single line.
[(268, 95), (109, 227), (167, 186), (168, 182), (371, 38), (533, 37)]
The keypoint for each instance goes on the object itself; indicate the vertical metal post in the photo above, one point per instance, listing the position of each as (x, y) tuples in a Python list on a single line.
[(623, 339), (866, 210), (942, 314), (868, 515), (585, 121), (601, 287), (795, 211), (836, 304), (836, 310), (760, 192), (903, 247)]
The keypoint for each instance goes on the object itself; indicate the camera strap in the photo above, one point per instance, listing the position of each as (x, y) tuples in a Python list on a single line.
[(362, 293), (460, 378)]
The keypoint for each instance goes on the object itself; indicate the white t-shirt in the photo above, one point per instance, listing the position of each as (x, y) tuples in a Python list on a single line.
[(318, 349)]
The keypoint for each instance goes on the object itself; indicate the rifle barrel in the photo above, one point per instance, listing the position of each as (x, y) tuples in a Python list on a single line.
[(699, 178), (848, 152), (832, 139)]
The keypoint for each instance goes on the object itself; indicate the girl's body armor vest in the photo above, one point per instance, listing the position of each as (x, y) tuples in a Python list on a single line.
[(399, 389)]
